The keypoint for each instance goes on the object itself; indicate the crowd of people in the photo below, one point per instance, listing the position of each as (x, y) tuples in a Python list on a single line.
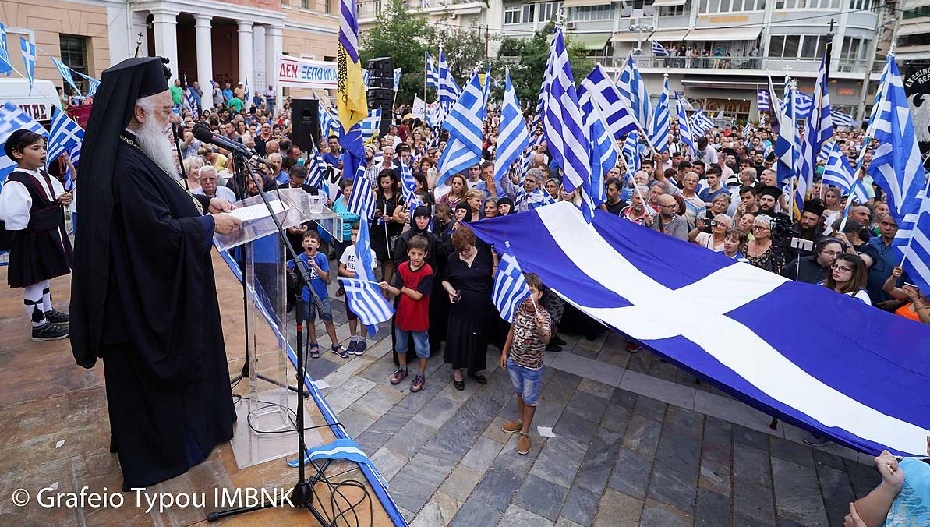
[(724, 196)]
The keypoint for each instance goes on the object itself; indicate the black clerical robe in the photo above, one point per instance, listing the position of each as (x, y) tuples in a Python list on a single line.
[(168, 391)]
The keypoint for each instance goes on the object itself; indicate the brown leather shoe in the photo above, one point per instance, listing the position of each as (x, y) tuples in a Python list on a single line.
[(523, 444)]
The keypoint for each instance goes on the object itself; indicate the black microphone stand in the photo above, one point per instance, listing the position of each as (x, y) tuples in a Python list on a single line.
[(302, 493)]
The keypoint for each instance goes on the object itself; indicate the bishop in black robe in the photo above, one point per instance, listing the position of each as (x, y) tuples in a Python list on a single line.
[(144, 297)]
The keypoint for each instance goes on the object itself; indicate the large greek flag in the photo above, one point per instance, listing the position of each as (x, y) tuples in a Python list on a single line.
[(786, 145), (604, 153), (509, 286), (432, 73), (448, 89), (514, 138), (604, 93), (737, 325), (661, 121), (896, 167), (562, 122)]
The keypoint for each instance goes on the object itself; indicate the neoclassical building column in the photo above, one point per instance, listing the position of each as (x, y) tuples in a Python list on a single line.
[(245, 57), (273, 47), (165, 25), (204, 43)]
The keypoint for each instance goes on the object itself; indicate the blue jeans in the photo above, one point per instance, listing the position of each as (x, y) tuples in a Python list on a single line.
[(525, 381), (420, 342)]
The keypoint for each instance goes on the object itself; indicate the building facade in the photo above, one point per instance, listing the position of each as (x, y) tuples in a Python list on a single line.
[(236, 41)]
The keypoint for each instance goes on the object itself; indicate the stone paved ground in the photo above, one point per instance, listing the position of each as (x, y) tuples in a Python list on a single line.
[(637, 442)]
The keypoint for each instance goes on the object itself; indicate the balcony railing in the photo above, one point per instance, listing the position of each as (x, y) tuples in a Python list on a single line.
[(736, 63)]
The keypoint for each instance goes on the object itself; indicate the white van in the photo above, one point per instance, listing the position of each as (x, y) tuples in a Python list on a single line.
[(37, 104)]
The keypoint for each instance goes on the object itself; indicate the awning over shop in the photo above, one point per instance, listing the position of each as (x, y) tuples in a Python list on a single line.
[(719, 34), (591, 41), (914, 29), (668, 3), (668, 35)]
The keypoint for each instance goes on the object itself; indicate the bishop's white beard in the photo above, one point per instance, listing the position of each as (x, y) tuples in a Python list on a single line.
[(154, 143)]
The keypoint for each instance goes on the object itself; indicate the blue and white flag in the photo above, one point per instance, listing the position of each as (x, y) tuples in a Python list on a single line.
[(563, 123), (631, 152), (371, 125), (838, 173), (897, 168), (408, 187), (604, 93), (363, 295), (466, 133), (29, 60), (432, 73), (701, 123), (5, 65), (661, 121), (362, 199), (329, 124), (763, 100), (66, 137), (633, 89), (397, 75), (603, 152), (514, 138), (448, 89), (510, 287), (626, 277), (684, 129), (843, 119), (787, 150), (658, 50), (803, 103), (12, 119), (66, 75), (338, 449), (818, 130), (317, 171)]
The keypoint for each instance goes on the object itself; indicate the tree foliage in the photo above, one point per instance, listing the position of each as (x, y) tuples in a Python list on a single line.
[(405, 35), (527, 59)]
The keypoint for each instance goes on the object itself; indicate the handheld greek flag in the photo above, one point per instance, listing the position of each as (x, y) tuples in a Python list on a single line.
[(12, 119), (633, 89), (661, 121), (66, 75), (397, 76), (684, 129), (448, 90), (563, 123), (29, 60), (362, 199), (329, 124), (362, 293), (66, 136), (701, 123), (432, 73), (514, 138), (803, 103), (763, 100), (897, 168), (465, 126), (510, 287), (603, 151), (5, 65), (370, 125), (317, 170), (658, 50), (786, 145), (631, 152), (838, 173), (818, 129), (604, 93)]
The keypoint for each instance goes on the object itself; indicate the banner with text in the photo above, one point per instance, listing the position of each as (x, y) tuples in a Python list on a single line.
[(294, 72)]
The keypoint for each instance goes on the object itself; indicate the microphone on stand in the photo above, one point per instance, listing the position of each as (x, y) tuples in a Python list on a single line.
[(203, 133)]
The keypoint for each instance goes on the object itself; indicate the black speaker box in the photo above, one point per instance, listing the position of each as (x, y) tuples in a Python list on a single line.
[(381, 94), (381, 67), (305, 122), (380, 82)]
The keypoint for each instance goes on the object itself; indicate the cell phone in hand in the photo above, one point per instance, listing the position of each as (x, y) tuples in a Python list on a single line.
[(456, 297)]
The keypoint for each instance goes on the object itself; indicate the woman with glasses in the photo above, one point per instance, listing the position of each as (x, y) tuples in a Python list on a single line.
[(459, 186), (713, 240), (759, 251), (849, 277)]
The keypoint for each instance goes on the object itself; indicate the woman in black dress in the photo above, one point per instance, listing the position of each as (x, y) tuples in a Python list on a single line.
[(388, 222), (468, 282)]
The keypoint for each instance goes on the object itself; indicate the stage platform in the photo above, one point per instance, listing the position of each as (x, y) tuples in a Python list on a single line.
[(56, 434)]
